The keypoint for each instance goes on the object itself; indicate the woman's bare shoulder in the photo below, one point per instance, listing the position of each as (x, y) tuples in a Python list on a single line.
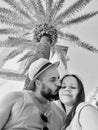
[(88, 117), (89, 110)]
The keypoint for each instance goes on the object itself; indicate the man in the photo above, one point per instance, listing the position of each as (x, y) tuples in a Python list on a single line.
[(31, 108)]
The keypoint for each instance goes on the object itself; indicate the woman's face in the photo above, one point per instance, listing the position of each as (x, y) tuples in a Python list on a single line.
[(68, 91)]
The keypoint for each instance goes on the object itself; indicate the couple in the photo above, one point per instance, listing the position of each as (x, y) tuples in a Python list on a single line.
[(33, 108)]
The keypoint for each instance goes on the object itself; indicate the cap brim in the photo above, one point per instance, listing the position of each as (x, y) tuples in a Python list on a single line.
[(32, 82)]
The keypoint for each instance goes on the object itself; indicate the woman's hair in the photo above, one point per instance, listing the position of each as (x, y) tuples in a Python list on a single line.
[(79, 98)]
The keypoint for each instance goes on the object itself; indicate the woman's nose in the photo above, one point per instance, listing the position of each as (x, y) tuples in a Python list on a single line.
[(67, 88)]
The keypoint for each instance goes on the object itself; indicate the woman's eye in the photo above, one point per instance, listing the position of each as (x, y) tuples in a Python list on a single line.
[(73, 87), (63, 87)]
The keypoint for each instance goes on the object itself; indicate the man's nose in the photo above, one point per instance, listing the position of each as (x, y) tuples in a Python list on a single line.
[(58, 85), (58, 82)]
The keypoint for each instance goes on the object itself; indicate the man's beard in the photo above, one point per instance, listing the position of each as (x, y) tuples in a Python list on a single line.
[(48, 95)]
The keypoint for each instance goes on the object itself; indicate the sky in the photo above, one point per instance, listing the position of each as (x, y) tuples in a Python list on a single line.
[(82, 62)]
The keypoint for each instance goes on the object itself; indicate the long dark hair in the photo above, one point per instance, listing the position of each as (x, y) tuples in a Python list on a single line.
[(79, 98)]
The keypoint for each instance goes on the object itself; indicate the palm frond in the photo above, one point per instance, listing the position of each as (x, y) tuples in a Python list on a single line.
[(7, 74), (87, 46), (37, 15), (28, 62), (58, 5), (3, 54), (14, 16), (77, 20), (16, 6), (7, 43), (14, 53), (40, 7), (71, 11), (7, 20), (17, 42), (49, 4), (34, 6), (10, 31), (40, 11), (74, 39), (26, 56), (27, 6), (21, 42), (11, 14)]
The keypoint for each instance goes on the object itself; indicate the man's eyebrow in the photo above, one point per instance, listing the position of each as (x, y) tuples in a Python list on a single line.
[(55, 77)]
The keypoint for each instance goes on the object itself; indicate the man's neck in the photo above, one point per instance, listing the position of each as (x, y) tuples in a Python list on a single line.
[(38, 97), (41, 99), (42, 103)]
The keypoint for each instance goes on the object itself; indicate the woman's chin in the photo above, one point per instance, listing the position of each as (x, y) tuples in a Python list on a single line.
[(67, 101)]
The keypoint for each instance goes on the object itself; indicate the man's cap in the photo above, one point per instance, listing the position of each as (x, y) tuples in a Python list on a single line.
[(38, 67)]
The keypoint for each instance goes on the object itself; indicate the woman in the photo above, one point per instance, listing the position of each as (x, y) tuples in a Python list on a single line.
[(79, 114)]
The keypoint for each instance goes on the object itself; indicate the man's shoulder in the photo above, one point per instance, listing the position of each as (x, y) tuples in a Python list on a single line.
[(58, 104), (58, 107), (59, 112), (12, 96)]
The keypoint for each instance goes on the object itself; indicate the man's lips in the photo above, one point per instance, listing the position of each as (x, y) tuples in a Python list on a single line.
[(58, 88)]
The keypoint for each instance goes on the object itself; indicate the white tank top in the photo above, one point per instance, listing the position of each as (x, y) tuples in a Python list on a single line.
[(75, 123)]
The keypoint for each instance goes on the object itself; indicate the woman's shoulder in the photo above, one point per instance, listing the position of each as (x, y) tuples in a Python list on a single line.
[(83, 105), (86, 110), (86, 107), (88, 116)]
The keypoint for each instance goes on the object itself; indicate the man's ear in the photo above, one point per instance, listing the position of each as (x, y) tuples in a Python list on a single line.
[(37, 82)]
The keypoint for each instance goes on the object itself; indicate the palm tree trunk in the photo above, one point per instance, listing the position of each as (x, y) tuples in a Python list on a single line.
[(44, 47)]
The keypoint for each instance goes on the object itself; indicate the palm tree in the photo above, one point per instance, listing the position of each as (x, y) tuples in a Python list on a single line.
[(34, 26)]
